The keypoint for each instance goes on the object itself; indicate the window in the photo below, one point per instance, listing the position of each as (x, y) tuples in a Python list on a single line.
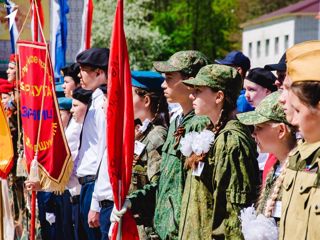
[(267, 47), (258, 49), (286, 41), (276, 45), (250, 49)]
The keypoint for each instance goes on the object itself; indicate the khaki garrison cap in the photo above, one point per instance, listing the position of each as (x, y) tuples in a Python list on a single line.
[(303, 61)]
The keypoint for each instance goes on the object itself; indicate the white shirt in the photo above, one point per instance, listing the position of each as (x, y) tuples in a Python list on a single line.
[(102, 187), (93, 137), (262, 159), (73, 138)]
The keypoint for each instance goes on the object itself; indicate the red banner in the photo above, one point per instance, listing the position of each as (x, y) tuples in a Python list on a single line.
[(120, 122), (6, 147), (40, 117)]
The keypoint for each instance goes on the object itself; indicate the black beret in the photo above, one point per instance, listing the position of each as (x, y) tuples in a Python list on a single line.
[(263, 77), (94, 57), (72, 71), (82, 95)]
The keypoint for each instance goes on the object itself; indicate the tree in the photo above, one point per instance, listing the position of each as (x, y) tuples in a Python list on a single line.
[(205, 25), (145, 42)]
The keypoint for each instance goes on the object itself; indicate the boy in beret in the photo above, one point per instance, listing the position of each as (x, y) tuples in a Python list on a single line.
[(93, 73), (258, 84)]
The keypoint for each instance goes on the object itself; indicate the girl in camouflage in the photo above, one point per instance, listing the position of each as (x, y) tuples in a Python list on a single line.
[(275, 135), (152, 120), (221, 178)]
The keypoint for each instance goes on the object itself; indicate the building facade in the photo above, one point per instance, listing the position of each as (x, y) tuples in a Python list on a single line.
[(265, 39)]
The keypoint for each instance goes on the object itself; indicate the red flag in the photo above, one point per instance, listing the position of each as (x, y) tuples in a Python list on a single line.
[(120, 122), (37, 16), (87, 16), (37, 86), (89, 23)]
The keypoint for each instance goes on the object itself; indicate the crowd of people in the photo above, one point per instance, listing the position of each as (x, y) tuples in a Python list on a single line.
[(222, 151)]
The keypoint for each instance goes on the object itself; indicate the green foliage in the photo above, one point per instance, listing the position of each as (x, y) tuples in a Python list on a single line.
[(155, 29), (145, 43), (204, 25), (258, 8)]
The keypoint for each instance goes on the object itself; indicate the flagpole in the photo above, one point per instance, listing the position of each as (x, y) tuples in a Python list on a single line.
[(1, 214), (33, 194), (119, 234)]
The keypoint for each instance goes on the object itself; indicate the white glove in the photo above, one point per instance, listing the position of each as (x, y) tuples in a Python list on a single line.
[(116, 215), (51, 218)]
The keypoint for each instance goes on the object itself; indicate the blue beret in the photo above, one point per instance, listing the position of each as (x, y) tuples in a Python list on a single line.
[(147, 80), (82, 95), (65, 103), (59, 91), (72, 71), (94, 57)]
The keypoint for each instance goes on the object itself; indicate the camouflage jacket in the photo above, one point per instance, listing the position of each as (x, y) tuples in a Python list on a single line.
[(228, 182), (166, 194), (146, 166)]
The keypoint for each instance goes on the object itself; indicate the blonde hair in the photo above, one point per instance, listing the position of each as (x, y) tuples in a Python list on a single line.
[(270, 203)]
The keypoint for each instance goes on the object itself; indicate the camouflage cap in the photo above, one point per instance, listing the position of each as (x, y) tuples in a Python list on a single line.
[(218, 76), (269, 109), (188, 62)]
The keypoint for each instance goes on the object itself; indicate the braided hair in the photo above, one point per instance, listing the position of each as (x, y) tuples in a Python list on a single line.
[(276, 187), (158, 106)]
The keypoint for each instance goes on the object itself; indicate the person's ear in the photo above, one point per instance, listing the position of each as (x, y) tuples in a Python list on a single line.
[(147, 101), (282, 130), (219, 97), (268, 91), (318, 106), (99, 71)]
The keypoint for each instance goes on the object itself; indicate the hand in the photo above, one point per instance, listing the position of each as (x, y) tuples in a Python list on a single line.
[(93, 219), (51, 218), (117, 215), (32, 186)]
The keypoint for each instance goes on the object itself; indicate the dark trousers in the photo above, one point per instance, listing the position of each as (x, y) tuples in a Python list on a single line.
[(45, 204), (68, 228), (79, 233), (105, 223), (85, 202), (60, 206)]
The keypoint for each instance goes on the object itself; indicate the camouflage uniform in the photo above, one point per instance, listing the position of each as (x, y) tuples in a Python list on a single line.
[(147, 165), (213, 198), (146, 170), (269, 109), (228, 182), (165, 195), (169, 188)]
